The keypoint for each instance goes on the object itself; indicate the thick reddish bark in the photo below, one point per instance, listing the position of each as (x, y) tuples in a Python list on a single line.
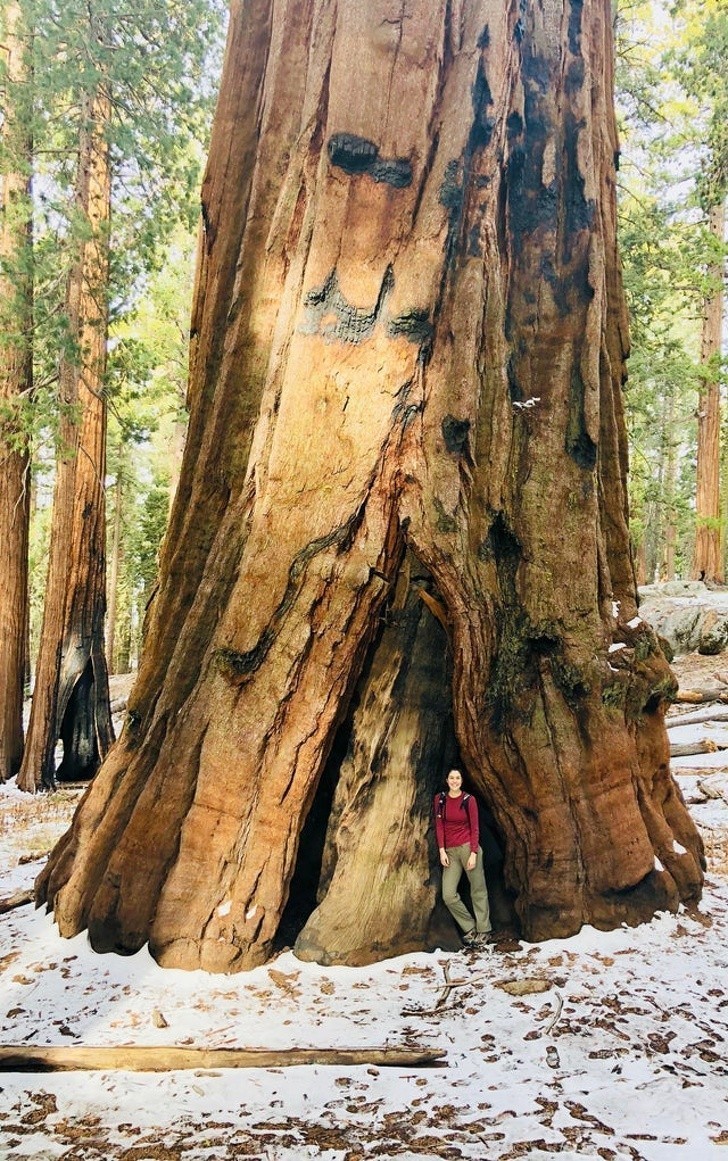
[(16, 381), (71, 694), (409, 333), (708, 554), (117, 550)]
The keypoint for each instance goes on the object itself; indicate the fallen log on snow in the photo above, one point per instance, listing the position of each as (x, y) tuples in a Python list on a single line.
[(77, 1057), (714, 715), (19, 899), (687, 749), (698, 696), (714, 786)]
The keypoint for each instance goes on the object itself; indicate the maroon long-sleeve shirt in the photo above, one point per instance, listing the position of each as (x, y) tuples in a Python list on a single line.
[(455, 824)]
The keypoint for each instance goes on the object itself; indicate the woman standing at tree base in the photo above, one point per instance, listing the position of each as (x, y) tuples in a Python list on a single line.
[(458, 841)]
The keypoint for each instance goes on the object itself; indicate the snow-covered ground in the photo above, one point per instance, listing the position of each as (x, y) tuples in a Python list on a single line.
[(611, 1045)]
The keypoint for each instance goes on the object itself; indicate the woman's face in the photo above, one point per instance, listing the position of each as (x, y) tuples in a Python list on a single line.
[(455, 781)]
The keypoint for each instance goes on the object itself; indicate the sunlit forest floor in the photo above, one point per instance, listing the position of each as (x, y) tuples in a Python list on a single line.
[(611, 1045)]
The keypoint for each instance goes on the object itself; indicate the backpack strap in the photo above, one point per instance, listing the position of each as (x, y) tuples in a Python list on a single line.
[(441, 803)]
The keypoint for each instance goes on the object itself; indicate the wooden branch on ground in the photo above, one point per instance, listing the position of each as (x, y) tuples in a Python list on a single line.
[(708, 715), (143, 1058), (443, 996), (19, 899), (704, 746), (556, 1015), (439, 1003), (698, 696)]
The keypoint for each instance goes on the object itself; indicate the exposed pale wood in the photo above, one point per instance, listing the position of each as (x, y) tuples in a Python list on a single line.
[(18, 899), (436, 608), (372, 892), (75, 1058)]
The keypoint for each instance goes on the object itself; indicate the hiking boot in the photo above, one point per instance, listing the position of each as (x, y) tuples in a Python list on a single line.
[(474, 940)]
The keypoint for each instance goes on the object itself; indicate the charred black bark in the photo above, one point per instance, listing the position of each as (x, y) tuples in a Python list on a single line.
[(78, 733)]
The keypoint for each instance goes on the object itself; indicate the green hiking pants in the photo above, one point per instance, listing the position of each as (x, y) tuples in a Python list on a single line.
[(451, 876)]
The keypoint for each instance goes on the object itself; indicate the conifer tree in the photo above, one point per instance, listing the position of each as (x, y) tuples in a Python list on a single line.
[(16, 308), (124, 91), (703, 72), (672, 97)]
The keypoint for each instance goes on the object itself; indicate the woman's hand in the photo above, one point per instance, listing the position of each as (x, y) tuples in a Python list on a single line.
[(444, 858), (472, 860)]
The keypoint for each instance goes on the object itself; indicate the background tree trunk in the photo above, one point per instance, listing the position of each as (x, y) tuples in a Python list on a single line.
[(71, 694), (641, 562), (16, 383), (409, 333), (116, 559), (708, 557), (669, 530)]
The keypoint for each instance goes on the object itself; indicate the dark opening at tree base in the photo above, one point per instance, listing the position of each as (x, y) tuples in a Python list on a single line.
[(81, 757), (367, 858)]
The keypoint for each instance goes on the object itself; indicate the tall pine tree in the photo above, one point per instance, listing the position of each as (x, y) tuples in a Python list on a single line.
[(16, 309), (127, 90)]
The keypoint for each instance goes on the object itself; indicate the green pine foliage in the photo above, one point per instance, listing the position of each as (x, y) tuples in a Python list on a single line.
[(672, 100), (160, 64), (147, 387)]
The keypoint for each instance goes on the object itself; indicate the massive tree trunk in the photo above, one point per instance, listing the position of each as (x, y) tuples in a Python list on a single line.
[(71, 694), (16, 381), (708, 555), (408, 348)]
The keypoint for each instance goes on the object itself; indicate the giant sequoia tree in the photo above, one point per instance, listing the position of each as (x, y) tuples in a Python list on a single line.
[(400, 531), (16, 378), (71, 696), (119, 100)]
